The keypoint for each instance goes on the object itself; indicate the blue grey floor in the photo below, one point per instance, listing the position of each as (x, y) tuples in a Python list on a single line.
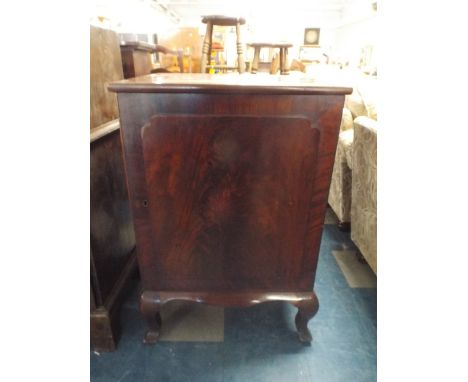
[(260, 343)]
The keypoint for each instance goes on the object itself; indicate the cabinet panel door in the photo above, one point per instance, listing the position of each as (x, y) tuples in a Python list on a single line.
[(229, 200)]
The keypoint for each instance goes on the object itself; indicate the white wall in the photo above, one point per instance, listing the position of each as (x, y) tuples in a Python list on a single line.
[(132, 16), (343, 32), (357, 29)]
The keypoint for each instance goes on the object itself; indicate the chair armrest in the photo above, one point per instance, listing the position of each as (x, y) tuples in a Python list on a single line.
[(364, 189), (365, 162)]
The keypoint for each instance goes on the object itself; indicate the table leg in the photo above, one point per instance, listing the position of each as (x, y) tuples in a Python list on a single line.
[(283, 60), (256, 60)]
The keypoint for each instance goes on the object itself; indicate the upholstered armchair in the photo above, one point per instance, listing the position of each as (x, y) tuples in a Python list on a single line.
[(339, 197), (364, 189), (353, 189)]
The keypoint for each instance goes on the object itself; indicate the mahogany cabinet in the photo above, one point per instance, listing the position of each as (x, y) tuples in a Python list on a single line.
[(228, 180)]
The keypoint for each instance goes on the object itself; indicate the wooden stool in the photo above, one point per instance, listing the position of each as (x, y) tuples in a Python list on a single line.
[(221, 21), (283, 47)]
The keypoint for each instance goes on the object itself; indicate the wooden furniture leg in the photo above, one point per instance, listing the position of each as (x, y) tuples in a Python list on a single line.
[(151, 302), (307, 309), (344, 226), (240, 54), (283, 60), (150, 306), (206, 50), (256, 60)]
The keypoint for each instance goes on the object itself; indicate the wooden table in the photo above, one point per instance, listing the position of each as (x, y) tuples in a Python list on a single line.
[(228, 179), (283, 49)]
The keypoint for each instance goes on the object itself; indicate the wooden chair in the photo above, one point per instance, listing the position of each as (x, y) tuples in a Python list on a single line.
[(212, 20), (180, 60)]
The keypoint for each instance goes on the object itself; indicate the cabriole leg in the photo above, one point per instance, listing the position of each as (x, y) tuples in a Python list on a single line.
[(150, 306), (307, 308)]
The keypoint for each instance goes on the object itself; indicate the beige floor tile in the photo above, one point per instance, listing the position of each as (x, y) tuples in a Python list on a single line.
[(358, 275), (330, 217), (192, 322)]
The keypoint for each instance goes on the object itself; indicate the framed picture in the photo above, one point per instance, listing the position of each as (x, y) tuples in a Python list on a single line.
[(312, 36)]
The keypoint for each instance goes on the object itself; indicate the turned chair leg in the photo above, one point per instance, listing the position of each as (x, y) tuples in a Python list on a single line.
[(206, 50), (306, 310), (150, 308), (240, 54)]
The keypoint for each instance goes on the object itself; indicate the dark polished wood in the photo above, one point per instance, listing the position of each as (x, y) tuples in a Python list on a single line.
[(151, 303), (232, 83), (113, 258), (228, 181)]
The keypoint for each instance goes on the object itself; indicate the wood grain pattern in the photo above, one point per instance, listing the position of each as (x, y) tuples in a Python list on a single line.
[(227, 196), (105, 67)]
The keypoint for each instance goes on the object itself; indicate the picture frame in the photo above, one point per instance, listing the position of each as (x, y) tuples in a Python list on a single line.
[(312, 36)]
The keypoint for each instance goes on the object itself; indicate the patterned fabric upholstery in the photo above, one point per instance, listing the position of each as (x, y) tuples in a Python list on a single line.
[(353, 189), (364, 189), (345, 141), (339, 197)]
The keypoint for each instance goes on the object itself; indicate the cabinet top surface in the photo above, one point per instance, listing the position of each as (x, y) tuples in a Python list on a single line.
[(228, 83), (138, 45)]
